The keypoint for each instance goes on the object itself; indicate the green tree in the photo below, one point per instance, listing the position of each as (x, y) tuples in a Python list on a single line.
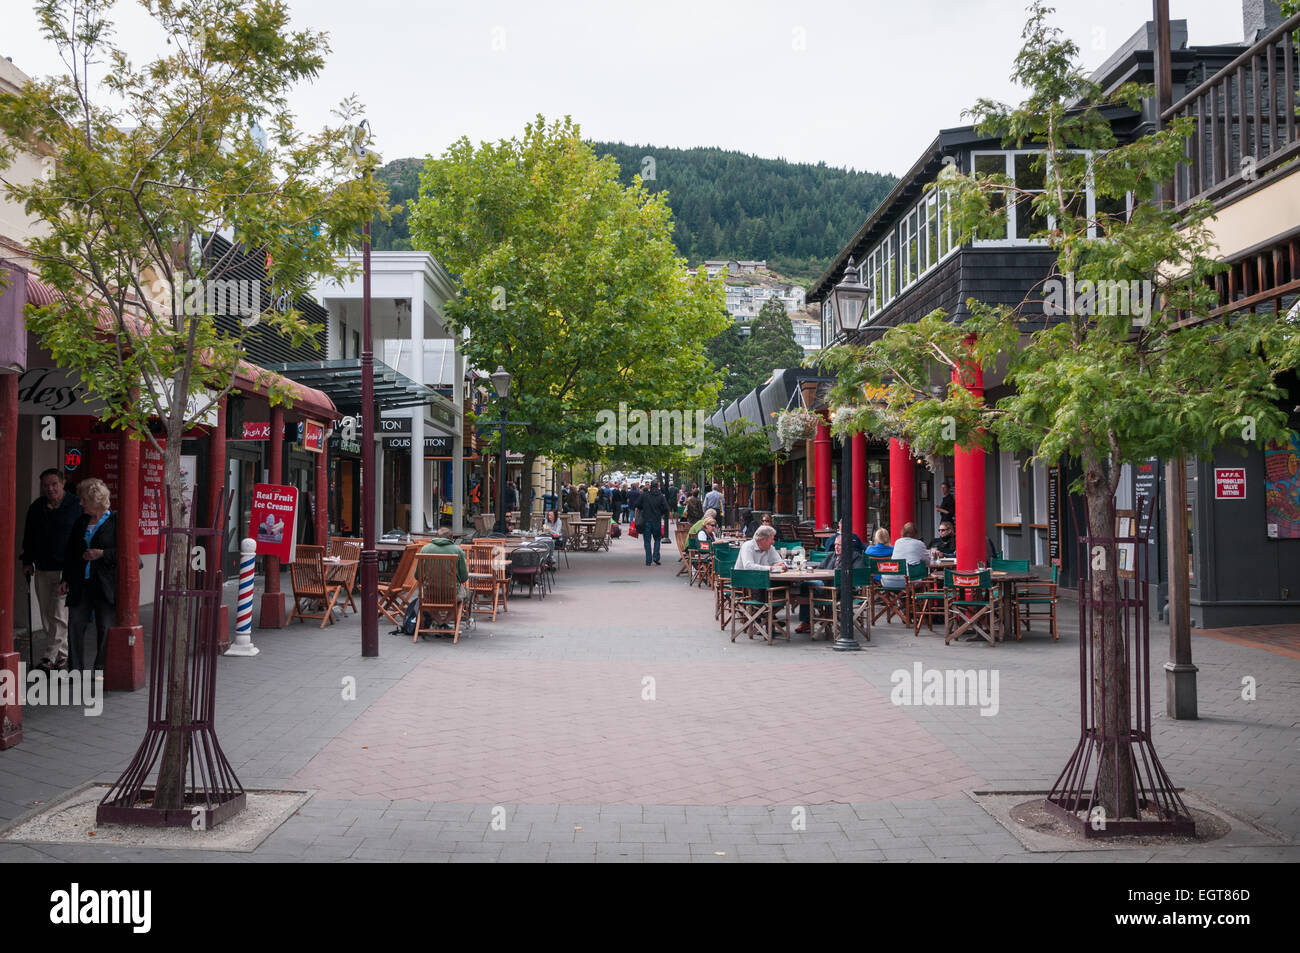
[(152, 162), (726, 351), (771, 342), (1095, 387), (570, 281)]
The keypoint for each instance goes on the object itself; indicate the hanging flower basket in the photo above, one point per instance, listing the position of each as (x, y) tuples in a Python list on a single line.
[(795, 425)]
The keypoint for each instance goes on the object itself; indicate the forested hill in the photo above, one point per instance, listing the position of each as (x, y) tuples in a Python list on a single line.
[(725, 204)]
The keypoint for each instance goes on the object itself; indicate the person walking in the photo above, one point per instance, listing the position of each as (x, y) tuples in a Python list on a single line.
[(653, 508), (45, 543), (90, 574), (713, 499)]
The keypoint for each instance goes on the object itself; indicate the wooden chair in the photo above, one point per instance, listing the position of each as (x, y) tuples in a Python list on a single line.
[(827, 598), (970, 602), (888, 602), (436, 581), (807, 538), (395, 594), (1040, 596), (681, 536), (483, 558), (756, 604), (600, 535), (925, 599), (344, 547), (311, 588), (724, 562)]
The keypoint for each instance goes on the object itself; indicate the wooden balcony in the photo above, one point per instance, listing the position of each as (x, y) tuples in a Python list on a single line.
[(1245, 121)]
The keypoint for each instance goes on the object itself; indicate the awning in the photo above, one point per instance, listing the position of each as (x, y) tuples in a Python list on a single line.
[(341, 380), (248, 377)]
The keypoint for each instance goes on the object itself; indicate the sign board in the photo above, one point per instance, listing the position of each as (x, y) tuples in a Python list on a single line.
[(1054, 548), (274, 520), (1146, 484), (105, 464), (1229, 483), (256, 430), (313, 436), (53, 390), (152, 505)]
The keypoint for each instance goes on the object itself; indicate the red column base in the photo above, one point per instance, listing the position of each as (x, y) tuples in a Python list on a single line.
[(273, 615), (124, 669), (11, 714), (223, 629)]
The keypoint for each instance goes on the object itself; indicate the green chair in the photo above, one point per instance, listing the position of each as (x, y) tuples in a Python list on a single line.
[(862, 605), (755, 604), (1009, 565), (925, 600), (887, 602), (970, 602), (1040, 596), (724, 562)]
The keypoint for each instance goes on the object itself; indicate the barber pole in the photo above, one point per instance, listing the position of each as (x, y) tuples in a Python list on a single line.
[(244, 613)]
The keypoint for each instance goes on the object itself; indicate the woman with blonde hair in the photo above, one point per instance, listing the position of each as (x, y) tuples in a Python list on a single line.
[(90, 574)]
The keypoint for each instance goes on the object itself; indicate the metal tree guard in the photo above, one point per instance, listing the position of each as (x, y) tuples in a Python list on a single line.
[(1075, 792), (212, 793)]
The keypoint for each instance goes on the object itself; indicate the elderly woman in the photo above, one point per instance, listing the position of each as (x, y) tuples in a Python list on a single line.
[(90, 574), (708, 531)]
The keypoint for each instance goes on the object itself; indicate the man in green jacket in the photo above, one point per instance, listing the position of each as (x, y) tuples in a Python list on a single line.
[(442, 544)]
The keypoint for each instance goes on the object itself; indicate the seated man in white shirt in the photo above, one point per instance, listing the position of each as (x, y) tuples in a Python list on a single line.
[(906, 548), (759, 553)]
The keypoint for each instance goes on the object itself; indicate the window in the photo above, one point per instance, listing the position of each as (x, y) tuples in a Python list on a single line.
[(932, 230), (988, 164), (1009, 478), (1029, 175)]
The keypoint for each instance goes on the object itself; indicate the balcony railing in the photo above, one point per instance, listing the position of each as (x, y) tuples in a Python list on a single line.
[(1245, 119)]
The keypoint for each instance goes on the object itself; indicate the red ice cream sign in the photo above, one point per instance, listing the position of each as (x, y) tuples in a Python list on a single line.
[(273, 521), (1229, 483)]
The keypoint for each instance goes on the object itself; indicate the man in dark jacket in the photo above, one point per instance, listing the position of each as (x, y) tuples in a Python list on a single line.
[(653, 508), (45, 544)]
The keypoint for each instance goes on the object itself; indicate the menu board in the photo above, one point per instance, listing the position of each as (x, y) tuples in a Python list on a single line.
[(1054, 547)]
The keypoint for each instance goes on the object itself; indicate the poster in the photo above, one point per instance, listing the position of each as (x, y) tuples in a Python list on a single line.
[(1054, 549), (273, 523), (313, 437), (1125, 528), (152, 504), (1282, 488)]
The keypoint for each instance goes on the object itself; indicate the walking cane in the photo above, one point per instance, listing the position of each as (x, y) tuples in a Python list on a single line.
[(31, 637)]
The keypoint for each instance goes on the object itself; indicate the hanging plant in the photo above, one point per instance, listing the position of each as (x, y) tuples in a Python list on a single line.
[(795, 425)]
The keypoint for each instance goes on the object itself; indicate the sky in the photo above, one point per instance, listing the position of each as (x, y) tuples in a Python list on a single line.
[(862, 84)]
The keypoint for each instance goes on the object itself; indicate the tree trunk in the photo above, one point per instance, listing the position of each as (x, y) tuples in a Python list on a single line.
[(1110, 687), (170, 790), (526, 491)]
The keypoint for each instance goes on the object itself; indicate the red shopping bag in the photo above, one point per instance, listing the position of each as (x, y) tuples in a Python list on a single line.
[(631, 531)]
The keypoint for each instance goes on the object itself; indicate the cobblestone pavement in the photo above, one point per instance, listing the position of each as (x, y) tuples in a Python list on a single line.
[(613, 721)]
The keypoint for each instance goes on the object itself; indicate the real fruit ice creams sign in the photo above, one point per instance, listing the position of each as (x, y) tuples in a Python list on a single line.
[(274, 520)]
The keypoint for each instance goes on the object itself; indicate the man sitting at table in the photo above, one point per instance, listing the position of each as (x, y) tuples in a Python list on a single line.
[(443, 544), (858, 546), (833, 561), (909, 549), (946, 541), (759, 553)]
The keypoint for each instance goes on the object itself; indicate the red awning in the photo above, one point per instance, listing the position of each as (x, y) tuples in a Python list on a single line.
[(249, 378)]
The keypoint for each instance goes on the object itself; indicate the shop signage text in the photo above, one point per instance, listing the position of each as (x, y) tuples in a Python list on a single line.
[(273, 523), (1229, 483), (256, 430)]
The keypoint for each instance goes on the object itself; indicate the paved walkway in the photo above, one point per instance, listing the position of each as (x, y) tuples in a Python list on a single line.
[(613, 721)]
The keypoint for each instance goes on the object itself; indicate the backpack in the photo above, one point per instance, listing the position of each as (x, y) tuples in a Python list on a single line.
[(614, 531)]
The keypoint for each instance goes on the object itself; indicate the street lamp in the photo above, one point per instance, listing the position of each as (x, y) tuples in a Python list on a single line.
[(501, 384), (849, 299), (369, 555)]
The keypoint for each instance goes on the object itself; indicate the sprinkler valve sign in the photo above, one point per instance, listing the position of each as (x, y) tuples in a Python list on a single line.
[(274, 522), (1229, 483)]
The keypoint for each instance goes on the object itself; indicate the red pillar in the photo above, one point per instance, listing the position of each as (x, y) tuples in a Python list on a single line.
[(11, 686), (902, 487), (217, 483), (968, 485), (322, 500), (861, 490), (273, 615), (124, 669), (822, 476)]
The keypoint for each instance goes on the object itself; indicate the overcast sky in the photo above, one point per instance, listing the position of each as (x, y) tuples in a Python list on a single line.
[(858, 83)]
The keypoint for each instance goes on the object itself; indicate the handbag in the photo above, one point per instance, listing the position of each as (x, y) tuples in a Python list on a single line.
[(633, 532)]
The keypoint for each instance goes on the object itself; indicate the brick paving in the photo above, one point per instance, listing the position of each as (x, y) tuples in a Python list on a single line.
[(531, 740), (1280, 639)]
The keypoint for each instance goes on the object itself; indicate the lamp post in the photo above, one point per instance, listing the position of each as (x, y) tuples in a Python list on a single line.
[(369, 556), (501, 384), (849, 300)]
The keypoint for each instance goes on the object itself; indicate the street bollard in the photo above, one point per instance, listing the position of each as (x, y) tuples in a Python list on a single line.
[(244, 613)]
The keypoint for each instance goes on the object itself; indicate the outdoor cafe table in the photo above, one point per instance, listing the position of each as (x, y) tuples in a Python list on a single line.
[(1006, 583), (794, 577), (336, 570)]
